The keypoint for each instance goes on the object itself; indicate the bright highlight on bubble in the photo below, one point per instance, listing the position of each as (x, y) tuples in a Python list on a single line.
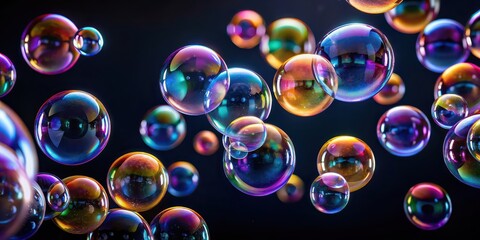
[(163, 128), (411, 16), (473, 140), (8, 75), (448, 109), (88, 41), (246, 29), (329, 193)]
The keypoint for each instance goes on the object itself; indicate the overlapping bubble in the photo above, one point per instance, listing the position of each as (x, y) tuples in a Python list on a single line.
[(329, 193), (55, 192), (392, 92), (411, 16), (88, 41), (472, 34), (292, 191), (179, 223), (246, 29), (448, 109)]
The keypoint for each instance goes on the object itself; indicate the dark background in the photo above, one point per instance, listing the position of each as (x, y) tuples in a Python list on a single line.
[(139, 36)]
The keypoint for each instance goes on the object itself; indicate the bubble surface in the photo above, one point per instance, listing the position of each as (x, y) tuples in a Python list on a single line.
[(179, 223), (205, 143), (88, 41), (473, 140), (8, 75), (374, 6), (329, 193), (472, 34), (411, 16), (392, 92), (250, 131), (55, 192), (163, 128), (246, 29), (292, 191), (184, 178), (448, 109)]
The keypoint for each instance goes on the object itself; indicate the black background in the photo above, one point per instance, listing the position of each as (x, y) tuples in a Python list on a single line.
[(139, 35)]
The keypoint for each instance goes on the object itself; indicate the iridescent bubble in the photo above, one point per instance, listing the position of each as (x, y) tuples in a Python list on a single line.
[(55, 192), (362, 57), (350, 157), (122, 224), (473, 140), (137, 181), (329, 193), (236, 150), (35, 216), (46, 44), (462, 79), (285, 38), (183, 178), (72, 127), (427, 206), (15, 135), (265, 170), (194, 80), (411, 16), (246, 29), (8, 75), (472, 34), (292, 191), (248, 95), (163, 128), (88, 41), (392, 92), (205, 143), (403, 130), (305, 84), (250, 131), (374, 6), (442, 44), (178, 223), (448, 109)]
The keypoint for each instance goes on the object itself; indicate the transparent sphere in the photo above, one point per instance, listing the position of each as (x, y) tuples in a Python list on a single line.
[(194, 80), (411, 16), (46, 44), (8, 75), (305, 84), (472, 34), (163, 128), (448, 109), (137, 181), (179, 223), (350, 157), (442, 44), (235, 149), (72, 127), (329, 193), (285, 38), (246, 29), (88, 206), (292, 191), (205, 143), (473, 140), (374, 6), (248, 95), (362, 57), (88, 41), (183, 178), (403, 130), (427, 206), (392, 92), (250, 131), (265, 170), (55, 192)]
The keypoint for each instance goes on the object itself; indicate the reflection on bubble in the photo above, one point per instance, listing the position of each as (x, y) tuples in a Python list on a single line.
[(292, 191), (329, 193), (8, 75), (249, 131), (392, 92), (122, 224), (473, 140), (179, 223), (88, 41), (411, 16), (163, 128), (205, 143), (448, 109), (472, 34), (55, 192), (183, 178), (374, 7), (246, 29)]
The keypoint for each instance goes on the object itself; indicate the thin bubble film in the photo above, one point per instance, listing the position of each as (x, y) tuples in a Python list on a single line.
[(329, 193), (179, 223)]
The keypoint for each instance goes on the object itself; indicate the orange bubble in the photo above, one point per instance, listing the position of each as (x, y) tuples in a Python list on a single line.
[(411, 16), (392, 92), (246, 29), (205, 143), (374, 6), (292, 191)]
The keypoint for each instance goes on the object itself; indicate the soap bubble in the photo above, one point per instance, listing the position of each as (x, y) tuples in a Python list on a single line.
[(179, 223), (88, 41), (411, 16), (163, 128), (246, 29), (8, 75), (329, 193)]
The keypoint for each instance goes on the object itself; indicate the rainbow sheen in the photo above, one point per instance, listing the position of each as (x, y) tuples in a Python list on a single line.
[(473, 140), (285, 38), (248, 130), (194, 80), (350, 157), (448, 109), (163, 128), (55, 192), (137, 181), (183, 178), (248, 95), (362, 57), (392, 92), (374, 6), (46, 44), (292, 191), (462, 79), (472, 34), (16, 136), (411, 16), (305, 84), (88, 206), (8, 75), (265, 170), (427, 206), (246, 29), (236, 150), (329, 193), (205, 143), (122, 224), (441, 44), (178, 223), (403, 130), (88, 41), (72, 127)]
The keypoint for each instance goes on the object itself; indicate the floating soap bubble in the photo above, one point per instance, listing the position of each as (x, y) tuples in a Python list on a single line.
[(392, 92), (362, 57), (285, 38), (442, 44), (264, 170), (235, 149), (194, 80), (8, 75), (205, 143), (250, 131), (472, 34), (427, 206), (305, 84), (350, 157), (411, 16), (137, 181), (179, 223), (473, 140), (88, 41), (55, 192), (448, 109), (246, 29), (183, 178), (292, 191), (163, 128), (374, 7), (46, 44), (72, 127), (329, 193)]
